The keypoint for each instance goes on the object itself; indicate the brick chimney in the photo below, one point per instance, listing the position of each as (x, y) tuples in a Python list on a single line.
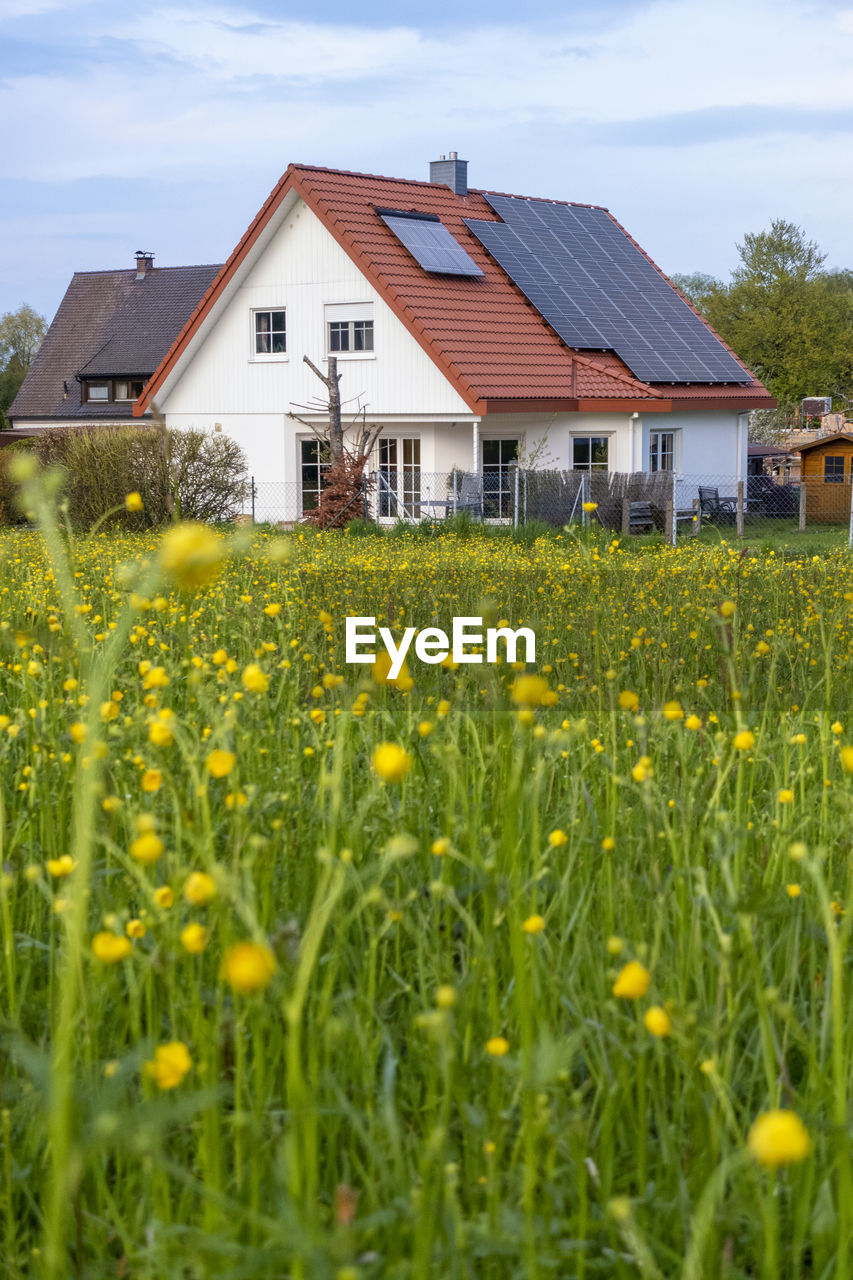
[(144, 263), (451, 171)]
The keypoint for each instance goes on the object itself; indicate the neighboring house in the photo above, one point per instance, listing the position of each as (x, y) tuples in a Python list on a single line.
[(110, 333), (476, 329)]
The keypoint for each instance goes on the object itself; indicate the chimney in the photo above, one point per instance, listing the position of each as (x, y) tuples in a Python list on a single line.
[(451, 171), (144, 263)]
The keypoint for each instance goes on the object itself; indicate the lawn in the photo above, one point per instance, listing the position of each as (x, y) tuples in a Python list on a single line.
[(484, 972)]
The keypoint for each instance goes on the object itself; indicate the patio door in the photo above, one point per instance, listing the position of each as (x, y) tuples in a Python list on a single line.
[(499, 457), (399, 487)]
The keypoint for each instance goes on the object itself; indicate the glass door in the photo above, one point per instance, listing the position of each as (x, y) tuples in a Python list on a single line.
[(498, 459), (399, 486)]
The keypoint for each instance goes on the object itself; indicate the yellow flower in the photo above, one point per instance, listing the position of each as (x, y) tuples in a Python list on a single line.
[(391, 762), (779, 1137), (78, 733), (133, 501), (154, 677), (220, 763), (425, 728), (272, 610), (785, 796), (146, 848), (744, 740), (440, 847), (727, 608), (61, 866), (590, 506), (642, 769), (497, 1046), (200, 888), (160, 734), (152, 780), (673, 711), (793, 890), (191, 555), (254, 679), (248, 967), (557, 838), (109, 948), (164, 897), (693, 722), (628, 700), (109, 711), (533, 924), (194, 938), (837, 727), (170, 1064), (632, 981), (657, 1021), (608, 844), (445, 997), (109, 804), (135, 929), (442, 708), (847, 758), (529, 690), (615, 945)]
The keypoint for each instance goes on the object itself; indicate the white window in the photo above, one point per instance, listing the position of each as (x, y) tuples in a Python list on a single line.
[(590, 453), (662, 451), (498, 457), (269, 329), (349, 330), (97, 390), (398, 490)]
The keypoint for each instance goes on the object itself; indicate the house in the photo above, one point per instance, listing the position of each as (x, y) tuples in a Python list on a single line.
[(476, 329), (827, 470), (110, 333)]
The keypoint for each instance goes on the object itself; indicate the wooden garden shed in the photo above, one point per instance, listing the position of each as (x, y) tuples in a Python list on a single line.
[(827, 471)]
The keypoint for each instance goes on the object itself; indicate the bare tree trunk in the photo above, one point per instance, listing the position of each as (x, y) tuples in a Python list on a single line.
[(332, 385)]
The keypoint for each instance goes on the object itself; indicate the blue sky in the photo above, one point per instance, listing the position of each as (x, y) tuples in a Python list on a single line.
[(164, 125)]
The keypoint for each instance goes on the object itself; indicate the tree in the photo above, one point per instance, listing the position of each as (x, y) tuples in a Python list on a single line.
[(697, 286), (788, 320), (21, 333), (342, 496)]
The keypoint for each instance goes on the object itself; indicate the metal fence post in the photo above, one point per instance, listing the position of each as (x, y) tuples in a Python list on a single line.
[(253, 499), (740, 508), (802, 506), (515, 502), (584, 512), (673, 519), (525, 498), (697, 518)]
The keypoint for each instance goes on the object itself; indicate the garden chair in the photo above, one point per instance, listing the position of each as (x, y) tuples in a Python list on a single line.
[(714, 508)]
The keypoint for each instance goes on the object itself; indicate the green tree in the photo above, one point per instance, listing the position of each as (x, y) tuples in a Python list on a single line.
[(790, 321), (21, 333), (697, 286)]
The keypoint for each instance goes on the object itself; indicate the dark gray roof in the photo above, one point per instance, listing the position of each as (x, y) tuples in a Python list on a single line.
[(109, 324)]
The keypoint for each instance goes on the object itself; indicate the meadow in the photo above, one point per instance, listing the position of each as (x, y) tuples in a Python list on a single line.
[(485, 972)]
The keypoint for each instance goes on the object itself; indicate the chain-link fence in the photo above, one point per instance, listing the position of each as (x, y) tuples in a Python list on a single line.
[(642, 502)]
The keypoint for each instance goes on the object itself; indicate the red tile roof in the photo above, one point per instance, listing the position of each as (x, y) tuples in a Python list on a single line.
[(483, 334)]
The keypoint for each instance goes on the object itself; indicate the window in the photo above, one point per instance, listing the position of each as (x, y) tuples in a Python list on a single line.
[(125, 390), (350, 335), (399, 485), (349, 329), (662, 451), (499, 456), (118, 390), (833, 469), (314, 460), (270, 333), (590, 453)]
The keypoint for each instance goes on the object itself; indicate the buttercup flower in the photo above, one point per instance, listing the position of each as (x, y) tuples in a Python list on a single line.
[(191, 555), (391, 762), (200, 888), (194, 938), (497, 1046), (248, 967), (657, 1021), (170, 1064), (778, 1138), (220, 763), (61, 866), (632, 981), (133, 501), (109, 947), (254, 679)]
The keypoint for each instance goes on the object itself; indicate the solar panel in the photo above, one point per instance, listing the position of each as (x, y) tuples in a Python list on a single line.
[(598, 291), (430, 243)]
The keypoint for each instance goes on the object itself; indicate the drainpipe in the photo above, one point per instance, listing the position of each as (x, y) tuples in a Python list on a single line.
[(476, 455)]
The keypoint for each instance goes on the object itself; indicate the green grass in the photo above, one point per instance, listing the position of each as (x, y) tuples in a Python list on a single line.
[(349, 1120)]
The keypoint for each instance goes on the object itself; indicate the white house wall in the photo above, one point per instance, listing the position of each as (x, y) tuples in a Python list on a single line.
[(301, 270)]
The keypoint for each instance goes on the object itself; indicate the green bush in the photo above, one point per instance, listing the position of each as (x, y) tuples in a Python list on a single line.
[(185, 473), (9, 513)]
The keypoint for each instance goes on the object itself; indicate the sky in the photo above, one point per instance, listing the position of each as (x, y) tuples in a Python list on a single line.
[(164, 126)]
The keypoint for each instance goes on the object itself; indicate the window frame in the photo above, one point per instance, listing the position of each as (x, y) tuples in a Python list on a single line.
[(267, 357), (655, 456), (836, 476), (590, 468), (498, 496), (111, 385), (321, 466), (350, 314)]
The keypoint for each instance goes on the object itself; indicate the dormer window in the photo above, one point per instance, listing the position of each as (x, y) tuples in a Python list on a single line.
[(111, 390), (97, 390)]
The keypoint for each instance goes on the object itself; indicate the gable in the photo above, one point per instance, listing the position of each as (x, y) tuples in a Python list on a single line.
[(298, 268)]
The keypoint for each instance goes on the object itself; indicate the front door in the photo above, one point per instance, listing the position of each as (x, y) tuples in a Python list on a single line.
[(399, 484), (499, 458)]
